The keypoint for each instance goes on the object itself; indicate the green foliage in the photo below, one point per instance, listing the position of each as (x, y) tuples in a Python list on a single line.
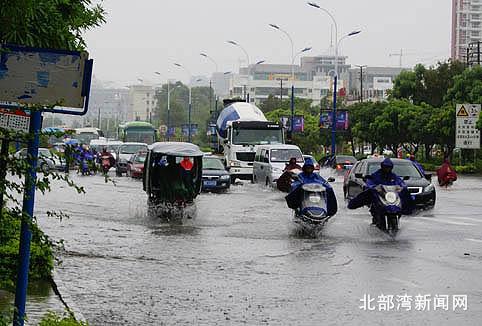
[(427, 85), (179, 99), (56, 24), (52, 319), (41, 259)]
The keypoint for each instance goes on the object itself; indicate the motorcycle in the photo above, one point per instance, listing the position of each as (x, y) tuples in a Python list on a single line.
[(386, 208)]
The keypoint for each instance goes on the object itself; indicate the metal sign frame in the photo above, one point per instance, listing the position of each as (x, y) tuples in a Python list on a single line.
[(86, 77)]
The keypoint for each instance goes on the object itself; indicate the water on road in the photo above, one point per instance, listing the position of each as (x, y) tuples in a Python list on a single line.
[(241, 261)]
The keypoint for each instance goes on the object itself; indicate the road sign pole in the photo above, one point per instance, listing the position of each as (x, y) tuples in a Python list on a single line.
[(25, 232)]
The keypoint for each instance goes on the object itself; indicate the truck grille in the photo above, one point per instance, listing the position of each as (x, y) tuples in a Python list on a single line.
[(245, 156)]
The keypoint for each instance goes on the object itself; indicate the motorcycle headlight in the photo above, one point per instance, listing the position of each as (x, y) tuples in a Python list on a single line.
[(391, 197), (225, 177), (315, 199), (429, 188)]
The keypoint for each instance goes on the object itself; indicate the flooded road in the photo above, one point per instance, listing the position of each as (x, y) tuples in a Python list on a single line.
[(241, 261)]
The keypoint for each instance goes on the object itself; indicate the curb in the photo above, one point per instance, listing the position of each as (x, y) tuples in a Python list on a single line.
[(62, 293)]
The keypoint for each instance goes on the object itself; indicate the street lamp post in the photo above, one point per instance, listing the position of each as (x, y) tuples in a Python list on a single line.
[(247, 61), (211, 90), (335, 90), (190, 100)]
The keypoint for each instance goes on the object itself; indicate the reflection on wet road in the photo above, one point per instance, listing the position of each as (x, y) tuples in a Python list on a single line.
[(241, 261)]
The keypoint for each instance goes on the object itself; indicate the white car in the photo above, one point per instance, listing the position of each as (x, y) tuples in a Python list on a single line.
[(46, 160), (271, 160)]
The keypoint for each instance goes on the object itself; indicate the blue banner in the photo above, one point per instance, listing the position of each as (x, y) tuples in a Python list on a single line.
[(342, 120), (185, 129)]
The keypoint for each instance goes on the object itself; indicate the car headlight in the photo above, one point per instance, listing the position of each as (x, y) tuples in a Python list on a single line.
[(429, 188), (391, 197), (277, 170), (235, 164), (225, 177)]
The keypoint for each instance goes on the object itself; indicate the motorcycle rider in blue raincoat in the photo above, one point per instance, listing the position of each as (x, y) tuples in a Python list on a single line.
[(384, 176), (308, 176)]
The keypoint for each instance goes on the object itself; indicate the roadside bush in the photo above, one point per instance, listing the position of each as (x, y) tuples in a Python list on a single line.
[(52, 319), (41, 259)]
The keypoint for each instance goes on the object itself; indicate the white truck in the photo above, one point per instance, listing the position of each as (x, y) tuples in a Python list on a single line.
[(241, 127)]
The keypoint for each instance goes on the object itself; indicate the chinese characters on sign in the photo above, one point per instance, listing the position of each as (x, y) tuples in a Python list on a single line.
[(466, 134), (16, 120), (419, 302)]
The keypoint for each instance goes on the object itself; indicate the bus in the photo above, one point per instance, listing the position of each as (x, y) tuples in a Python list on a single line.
[(137, 132), (85, 135)]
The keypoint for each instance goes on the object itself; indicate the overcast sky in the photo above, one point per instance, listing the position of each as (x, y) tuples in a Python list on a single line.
[(144, 36)]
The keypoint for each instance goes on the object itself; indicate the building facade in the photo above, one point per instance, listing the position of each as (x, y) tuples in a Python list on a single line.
[(313, 79), (376, 81), (141, 103), (466, 26)]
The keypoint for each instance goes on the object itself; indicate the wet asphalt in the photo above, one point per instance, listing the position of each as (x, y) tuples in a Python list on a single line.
[(241, 260)]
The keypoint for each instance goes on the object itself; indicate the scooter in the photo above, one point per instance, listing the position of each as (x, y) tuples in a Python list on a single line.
[(312, 213), (386, 208)]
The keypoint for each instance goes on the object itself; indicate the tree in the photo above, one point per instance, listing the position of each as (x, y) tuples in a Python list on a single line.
[(427, 85), (57, 24), (467, 88)]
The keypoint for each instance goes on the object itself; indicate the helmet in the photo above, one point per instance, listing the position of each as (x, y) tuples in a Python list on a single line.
[(387, 163), (309, 162)]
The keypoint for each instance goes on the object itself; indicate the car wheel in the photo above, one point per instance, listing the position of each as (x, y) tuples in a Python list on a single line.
[(267, 182), (255, 180)]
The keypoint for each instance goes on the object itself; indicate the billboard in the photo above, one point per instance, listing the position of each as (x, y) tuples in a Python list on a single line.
[(185, 129), (298, 123), (342, 120)]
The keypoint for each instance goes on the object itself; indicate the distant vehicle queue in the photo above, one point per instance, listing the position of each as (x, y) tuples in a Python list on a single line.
[(252, 148)]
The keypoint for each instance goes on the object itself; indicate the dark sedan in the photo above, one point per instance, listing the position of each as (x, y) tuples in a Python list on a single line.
[(215, 177), (419, 185), (340, 163)]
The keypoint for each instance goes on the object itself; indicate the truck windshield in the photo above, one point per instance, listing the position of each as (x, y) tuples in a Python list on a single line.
[(257, 136)]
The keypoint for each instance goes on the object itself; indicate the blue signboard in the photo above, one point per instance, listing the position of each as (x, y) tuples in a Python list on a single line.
[(185, 129), (298, 123), (342, 121)]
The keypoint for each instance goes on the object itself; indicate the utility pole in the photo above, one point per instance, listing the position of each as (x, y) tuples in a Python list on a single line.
[(361, 81), (400, 55), (281, 93)]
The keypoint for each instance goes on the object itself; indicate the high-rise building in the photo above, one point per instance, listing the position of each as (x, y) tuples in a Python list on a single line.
[(466, 26)]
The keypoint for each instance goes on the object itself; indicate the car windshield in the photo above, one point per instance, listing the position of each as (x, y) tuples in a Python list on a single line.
[(284, 155), (212, 164), (131, 149), (345, 159), (257, 136), (400, 169)]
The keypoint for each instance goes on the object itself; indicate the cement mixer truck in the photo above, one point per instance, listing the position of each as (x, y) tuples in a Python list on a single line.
[(241, 127)]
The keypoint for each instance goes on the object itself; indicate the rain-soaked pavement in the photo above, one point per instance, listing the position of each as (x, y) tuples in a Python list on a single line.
[(240, 261)]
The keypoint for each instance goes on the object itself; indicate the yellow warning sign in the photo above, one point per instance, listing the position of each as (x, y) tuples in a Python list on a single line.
[(462, 112)]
